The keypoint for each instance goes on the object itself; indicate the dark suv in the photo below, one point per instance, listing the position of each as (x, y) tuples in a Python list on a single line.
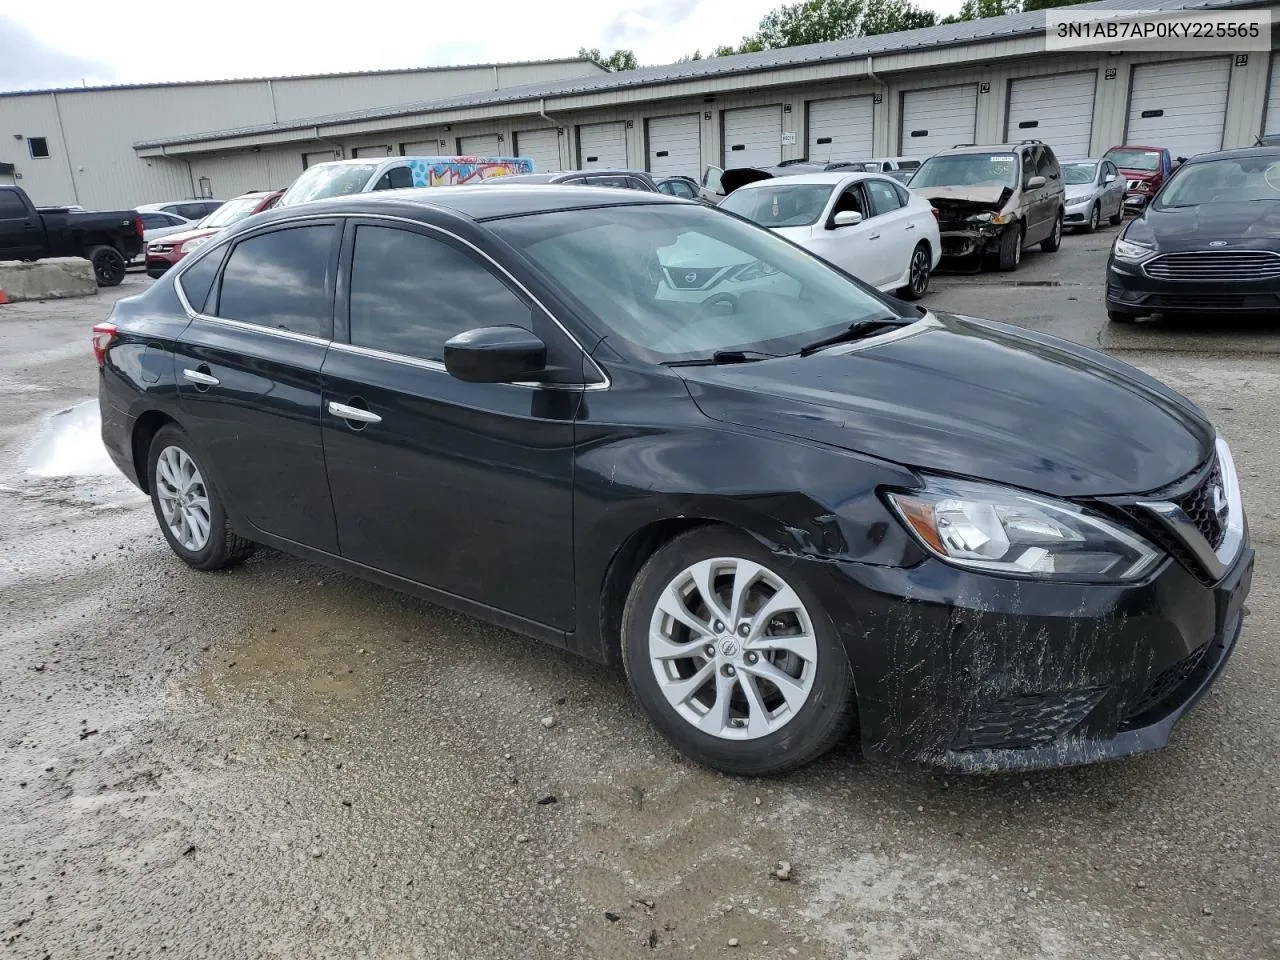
[(618, 179), (655, 434), (994, 201)]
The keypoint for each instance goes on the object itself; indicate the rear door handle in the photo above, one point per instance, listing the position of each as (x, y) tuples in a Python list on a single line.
[(911, 226), (357, 414), (203, 379), (874, 236)]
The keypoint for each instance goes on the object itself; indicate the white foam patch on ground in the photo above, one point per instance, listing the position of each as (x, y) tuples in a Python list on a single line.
[(70, 445)]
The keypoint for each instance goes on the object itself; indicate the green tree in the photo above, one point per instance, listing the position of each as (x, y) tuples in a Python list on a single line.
[(616, 61), (981, 9), (1046, 4), (818, 21)]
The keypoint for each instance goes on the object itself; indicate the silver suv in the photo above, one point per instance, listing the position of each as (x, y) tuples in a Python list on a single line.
[(994, 201)]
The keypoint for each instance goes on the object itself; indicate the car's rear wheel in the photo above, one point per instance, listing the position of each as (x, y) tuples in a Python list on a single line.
[(188, 507), (1095, 219), (108, 266), (1010, 253), (1053, 241), (734, 662), (919, 273)]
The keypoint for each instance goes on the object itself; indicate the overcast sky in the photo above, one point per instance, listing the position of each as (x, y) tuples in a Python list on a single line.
[(63, 43)]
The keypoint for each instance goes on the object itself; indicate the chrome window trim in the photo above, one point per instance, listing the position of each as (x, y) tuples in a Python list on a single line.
[(604, 384), (1215, 562)]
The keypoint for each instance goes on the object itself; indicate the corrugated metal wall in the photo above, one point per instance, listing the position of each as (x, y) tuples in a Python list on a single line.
[(91, 132)]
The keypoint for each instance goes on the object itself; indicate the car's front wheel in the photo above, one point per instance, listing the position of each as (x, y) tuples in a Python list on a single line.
[(1009, 254), (918, 276), (735, 661), (187, 505), (1095, 219)]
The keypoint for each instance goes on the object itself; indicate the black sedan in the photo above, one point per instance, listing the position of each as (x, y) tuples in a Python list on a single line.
[(655, 434), (1208, 243)]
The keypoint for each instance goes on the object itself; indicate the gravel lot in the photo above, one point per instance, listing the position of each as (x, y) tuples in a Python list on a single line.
[(284, 762)]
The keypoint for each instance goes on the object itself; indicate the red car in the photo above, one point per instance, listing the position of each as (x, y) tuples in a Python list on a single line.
[(1145, 169), (167, 251)]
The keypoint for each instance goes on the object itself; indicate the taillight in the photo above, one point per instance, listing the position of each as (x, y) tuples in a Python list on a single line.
[(104, 334), (137, 226), (934, 211)]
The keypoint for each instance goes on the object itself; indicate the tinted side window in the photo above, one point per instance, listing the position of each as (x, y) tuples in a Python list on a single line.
[(884, 199), (11, 205), (410, 293), (576, 181), (850, 200), (1046, 165), (192, 211), (637, 184), (620, 182), (281, 280), (394, 179), (1028, 159), (150, 221), (197, 280)]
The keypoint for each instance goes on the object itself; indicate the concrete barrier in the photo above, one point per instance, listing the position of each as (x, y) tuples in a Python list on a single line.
[(46, 279)]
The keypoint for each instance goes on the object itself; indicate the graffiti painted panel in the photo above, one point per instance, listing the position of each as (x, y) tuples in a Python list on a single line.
[(451, 171)]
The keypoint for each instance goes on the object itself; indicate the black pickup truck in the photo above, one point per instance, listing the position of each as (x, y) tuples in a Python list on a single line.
[(108, 240)]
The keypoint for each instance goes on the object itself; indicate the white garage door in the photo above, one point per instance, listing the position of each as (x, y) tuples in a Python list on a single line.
[(675, 145), (840, 129), (322, 156), (540, 146), (938, 119), (1056, 109), (602, 145), (1180, 105), (377, 153), (1271, 122), (421, 148), (753, 137), (480, 145)]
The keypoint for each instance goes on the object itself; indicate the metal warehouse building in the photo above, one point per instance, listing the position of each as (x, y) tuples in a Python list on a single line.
[(910, 93)]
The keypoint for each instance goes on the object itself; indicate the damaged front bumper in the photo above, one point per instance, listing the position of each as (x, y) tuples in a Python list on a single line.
[(966, 240), (960, 671)]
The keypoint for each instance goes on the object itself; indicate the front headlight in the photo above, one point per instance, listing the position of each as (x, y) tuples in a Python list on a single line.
[(1002, 530), (1131, 252), (996, 218), (193, 245)]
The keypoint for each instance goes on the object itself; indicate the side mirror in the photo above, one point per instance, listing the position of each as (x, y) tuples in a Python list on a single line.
[(1109, 178), (846, 218), (495, 355), (1035, 183)]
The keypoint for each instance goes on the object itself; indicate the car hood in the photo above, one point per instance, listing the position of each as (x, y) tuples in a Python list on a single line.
[(988, 197), (1251, 224), (176, 238), (972, 398), (1130, 174)]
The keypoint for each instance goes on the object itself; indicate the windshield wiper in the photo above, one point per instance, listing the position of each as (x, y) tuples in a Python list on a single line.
[(722, 356), (855, 331)]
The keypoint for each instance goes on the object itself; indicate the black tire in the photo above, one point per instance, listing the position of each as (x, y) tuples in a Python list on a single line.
[(1053, 241), (1118, 216), (223, 547), (1009, 254), (108, 265), (1119, 316), (920, 272), (826, 716), (1095, 219)]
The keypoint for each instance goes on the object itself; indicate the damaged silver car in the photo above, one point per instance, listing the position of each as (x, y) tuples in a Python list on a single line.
[(994, 201)]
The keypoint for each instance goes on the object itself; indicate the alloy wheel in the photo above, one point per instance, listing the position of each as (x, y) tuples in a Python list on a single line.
[(919, 272), (1095, 218), (184, 500), (733, 648)]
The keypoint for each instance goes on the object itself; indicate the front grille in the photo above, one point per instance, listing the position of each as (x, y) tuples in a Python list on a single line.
[(1199, 505), (1166, 684), (1026, 720), (1215, 266), (159, 247), (1209, 302)]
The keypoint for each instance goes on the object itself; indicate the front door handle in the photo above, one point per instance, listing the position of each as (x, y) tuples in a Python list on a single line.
[(874, 236), (201, 379), (911, 226), (357, 414)]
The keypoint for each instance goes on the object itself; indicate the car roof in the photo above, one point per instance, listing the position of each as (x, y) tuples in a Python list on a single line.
[(989, 148), (1134, 146), (476, 204), (832, 178), (1239, 153)]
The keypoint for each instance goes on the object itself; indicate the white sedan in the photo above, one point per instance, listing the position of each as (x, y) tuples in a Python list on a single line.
[(864, 223)]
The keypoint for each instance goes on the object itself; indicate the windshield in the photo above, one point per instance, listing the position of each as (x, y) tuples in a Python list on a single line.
[(1223, 181), (1148, 160), (968, 170), (328, 180), (675, 282), (1079, 172), (231, 212), (782, 204)]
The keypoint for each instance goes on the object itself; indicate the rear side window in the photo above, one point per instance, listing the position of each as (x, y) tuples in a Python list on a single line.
[(395, 179), (636, 184), (623, 183), (151, 221), (197, 280), (884, 199), (11, 205), (410, 293), (281, 280)]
